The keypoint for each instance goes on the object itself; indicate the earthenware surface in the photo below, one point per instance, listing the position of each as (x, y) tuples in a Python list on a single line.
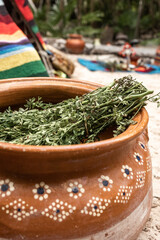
[(65, 187), (75, 43), (152, 227)]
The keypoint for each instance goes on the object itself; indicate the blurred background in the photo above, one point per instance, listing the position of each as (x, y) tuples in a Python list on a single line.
[(104, 19)]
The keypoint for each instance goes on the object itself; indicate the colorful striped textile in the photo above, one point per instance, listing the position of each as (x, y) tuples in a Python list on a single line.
[(24, 8), (18, 58), (157, 58)]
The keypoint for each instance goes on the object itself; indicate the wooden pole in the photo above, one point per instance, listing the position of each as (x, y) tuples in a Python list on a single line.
[(62, 21), (31, 3), (48, 7), (138, 18), (79, 11)]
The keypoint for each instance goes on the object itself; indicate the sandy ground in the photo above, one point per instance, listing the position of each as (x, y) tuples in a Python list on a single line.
[(151, 230)]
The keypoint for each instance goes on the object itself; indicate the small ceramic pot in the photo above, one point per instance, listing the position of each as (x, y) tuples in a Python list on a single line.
[(75, 44), (100, 190)]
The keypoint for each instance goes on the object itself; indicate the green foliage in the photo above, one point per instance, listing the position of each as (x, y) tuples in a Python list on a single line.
[(87, 31), (146, 22), (65, 17), (126, 22), (61, 23), (151, 42), (91, 17), (56, 14), (85, 28)]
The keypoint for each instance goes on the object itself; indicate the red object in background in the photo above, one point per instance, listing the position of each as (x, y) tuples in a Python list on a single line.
[(143, 69), (127, 50), (157, 58)]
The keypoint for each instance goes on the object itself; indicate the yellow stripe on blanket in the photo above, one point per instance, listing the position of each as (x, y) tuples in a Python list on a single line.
[(18, 60), (12, 37)]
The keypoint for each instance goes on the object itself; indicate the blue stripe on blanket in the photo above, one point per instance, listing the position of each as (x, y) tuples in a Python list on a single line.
[(8, 54), (14, 47)]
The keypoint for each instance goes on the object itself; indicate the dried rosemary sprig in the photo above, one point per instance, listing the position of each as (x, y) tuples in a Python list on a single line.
[(77, 120)]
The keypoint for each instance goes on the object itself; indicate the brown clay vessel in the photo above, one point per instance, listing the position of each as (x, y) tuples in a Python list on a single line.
[(97, 191), (75, 43)]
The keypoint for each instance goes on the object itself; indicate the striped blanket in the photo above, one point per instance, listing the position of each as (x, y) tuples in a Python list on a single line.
[(25, 10), (18, 58)]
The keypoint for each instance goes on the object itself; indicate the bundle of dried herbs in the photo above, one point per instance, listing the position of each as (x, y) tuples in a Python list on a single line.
[(77, 120)]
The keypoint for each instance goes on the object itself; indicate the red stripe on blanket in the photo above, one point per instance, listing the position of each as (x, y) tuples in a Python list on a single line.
[(7, 19), (25, 10), (10, 28), (40, 38)]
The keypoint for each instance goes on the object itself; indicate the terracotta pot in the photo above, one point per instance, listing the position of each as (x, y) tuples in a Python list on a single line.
[(98, 191), (75, 44)]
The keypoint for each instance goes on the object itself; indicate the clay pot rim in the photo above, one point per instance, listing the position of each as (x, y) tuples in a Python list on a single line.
[(132, 132), (75, 36)]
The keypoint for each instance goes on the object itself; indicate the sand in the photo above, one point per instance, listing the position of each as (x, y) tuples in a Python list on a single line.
[(151, 230)]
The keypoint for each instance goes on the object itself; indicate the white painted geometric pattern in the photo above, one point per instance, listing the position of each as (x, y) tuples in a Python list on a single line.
[(58, 210), (19, 209), (124, 194), (143, 146), (75, 190), (41, 191), (105, 183), (140, 179), (138, 158), (96, 206), (6, 187), (127, 171), (149, 164)]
